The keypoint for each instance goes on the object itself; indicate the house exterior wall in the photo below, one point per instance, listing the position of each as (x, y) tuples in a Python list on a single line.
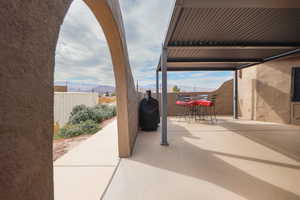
[(247, 92), (265, 92)]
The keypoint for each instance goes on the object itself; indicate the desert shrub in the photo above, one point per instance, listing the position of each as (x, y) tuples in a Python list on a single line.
[(72, 130), (97, 113), (77, 109), (105, 111), (81, 116), (89, 127), (113, 110), (101, 106), (85, 120)]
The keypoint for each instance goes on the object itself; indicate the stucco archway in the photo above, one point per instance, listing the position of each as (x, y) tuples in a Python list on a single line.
[(28, 37), (108, 14)]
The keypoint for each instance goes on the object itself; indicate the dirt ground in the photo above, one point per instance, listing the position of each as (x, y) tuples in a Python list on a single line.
[(62, 146)]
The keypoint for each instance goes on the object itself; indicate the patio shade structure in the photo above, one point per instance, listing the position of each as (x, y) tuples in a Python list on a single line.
[(218, 35)]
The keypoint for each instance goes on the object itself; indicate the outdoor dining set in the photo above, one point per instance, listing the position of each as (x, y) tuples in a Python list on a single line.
[(199, 107)]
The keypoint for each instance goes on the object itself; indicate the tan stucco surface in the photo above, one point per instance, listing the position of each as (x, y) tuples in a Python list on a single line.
[(28, 37), (265, 92), (247, 93), (223, 102), (109, 16)]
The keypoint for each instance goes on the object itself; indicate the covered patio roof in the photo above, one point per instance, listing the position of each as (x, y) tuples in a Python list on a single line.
[(219, 35), (230, 35)]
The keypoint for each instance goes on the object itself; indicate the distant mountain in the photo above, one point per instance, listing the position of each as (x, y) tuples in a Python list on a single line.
[(86, 87), (183, 88), (82, 87), (104, 88)]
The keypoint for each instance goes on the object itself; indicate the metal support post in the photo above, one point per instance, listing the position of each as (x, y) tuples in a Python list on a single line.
[(235, 95), (157, 84), (164, 99)]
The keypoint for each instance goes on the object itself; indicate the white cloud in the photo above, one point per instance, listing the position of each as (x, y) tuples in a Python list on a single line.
[(83, 55)]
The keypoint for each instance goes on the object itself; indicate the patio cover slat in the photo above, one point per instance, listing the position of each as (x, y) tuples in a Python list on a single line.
[(232, 30)]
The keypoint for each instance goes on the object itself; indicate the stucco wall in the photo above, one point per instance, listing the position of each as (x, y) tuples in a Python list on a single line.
[(224, 100), (28, 37), (247, 93), (295, 115), (108, 14), (265, 91)]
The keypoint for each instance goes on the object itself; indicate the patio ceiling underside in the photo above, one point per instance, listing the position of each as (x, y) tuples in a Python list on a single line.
[(205, 35)]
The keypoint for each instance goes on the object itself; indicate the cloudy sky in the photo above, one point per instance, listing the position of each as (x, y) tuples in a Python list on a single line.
[(82, 55)]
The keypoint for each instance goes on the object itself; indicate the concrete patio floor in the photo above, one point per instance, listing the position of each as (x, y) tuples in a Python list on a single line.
[(229, 160), (85, 172)]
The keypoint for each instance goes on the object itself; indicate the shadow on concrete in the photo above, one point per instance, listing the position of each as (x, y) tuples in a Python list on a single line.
[(284, 139), (185, 158)]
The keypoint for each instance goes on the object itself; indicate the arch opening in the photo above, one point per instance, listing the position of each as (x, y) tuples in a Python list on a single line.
[(28, 45), (108, 15)]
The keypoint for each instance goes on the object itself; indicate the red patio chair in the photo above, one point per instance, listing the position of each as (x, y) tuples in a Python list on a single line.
[(207, 107), (183, 101)]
